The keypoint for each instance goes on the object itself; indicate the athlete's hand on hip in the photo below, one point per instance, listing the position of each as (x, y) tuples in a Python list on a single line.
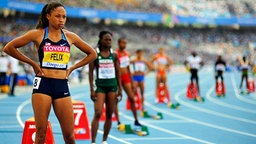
[(38, 71), (93, 96), (68, 73)]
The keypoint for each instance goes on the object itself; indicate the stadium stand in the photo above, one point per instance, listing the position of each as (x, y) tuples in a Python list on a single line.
[(179, 40), (202, 8)]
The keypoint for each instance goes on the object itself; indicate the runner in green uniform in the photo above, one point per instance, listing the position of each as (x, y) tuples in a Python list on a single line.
[(108, 85)]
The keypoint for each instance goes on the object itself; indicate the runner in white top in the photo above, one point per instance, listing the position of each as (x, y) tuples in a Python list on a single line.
[(194, 63), (14, 68), (4, 62), (140, 67)]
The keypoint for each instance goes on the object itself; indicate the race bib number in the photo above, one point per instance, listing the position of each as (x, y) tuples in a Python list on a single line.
[(139, 66), (220, 67), (36, 82), (106, 71), (56, 56), (195, 65), (124, 61)]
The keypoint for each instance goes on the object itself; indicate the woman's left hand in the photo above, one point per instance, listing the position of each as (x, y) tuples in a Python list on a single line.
[(68, 72), (119, 95)]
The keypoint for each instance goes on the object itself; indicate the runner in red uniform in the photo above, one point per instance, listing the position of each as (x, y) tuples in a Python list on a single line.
[(126, 78)]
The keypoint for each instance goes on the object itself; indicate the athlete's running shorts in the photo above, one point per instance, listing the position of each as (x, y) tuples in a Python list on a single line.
[(161, 72), (125, 78), (104, 89), (55, 88), (245, 72), (138, 78)]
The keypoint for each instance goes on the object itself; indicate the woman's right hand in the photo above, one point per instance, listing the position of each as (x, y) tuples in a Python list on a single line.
[(93, 96), (38, 71)]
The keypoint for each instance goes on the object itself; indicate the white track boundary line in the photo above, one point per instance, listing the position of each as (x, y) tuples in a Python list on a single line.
[(199, 122), (28, 101), (166, 121), (177, 97), (209, 97), (154, 138), (3, 97), (19, 109), (238, 95), (165, 130)]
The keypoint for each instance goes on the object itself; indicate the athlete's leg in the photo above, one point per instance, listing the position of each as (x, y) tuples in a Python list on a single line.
[(129, 92), (63, 109), (246, 79), (216, 78), (41, 106), (242, 80), (221, 76), (98, 106), (136, 86), (197, 83), (164, 81), (110, 107), (142, 87), (158, 81), (116, 114), (191, 77)]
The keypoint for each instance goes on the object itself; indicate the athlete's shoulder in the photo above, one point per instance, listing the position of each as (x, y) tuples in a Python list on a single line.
[(35, 32), (69, 33)]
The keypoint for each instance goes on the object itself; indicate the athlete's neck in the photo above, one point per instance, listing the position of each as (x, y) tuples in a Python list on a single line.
[(121, 49)]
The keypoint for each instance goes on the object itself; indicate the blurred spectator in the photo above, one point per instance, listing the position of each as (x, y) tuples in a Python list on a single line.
[(200, 8), (14, 69), (179, 41), (4, 62)]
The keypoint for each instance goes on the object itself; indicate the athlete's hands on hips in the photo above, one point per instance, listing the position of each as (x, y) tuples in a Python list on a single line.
[(68, 72), (38, 71), (93, 96)]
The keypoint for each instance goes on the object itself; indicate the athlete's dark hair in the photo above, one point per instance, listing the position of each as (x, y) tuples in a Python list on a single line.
[(43, 22), (244, 58), (120, 39), (139, 50), (101, 34)]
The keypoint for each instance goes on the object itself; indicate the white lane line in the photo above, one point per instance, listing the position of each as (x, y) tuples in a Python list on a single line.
[(115, 138), (219, 102), (77, 96), (9, 126), (19, 109), (154, 138), (166, 121), (177, 97), (250, 101), (166, 131), (3, 96), (197, 121), (22, 105)]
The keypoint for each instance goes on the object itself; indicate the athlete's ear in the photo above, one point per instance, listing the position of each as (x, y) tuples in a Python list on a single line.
[(48, 16)]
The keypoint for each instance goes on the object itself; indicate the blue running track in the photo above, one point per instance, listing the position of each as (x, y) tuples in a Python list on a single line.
[(228, 120)]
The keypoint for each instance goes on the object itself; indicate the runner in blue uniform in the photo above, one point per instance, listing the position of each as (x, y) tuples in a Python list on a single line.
[(50, 83)]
